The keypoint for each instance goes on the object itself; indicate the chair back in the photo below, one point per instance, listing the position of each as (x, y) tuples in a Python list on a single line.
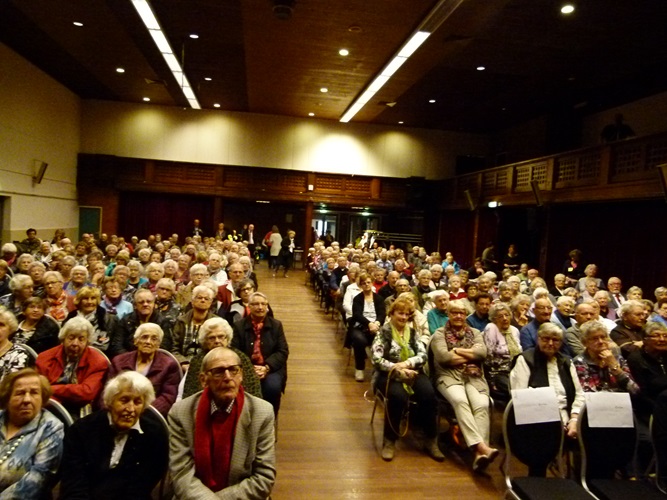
[(660, 465), (604, 450), (59, 411), (32, 354), (180, 369), (534, 445), (102, 353)]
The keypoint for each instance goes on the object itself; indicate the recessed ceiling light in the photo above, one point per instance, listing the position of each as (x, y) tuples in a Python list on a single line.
[(344, 52), (324, 90), (480, 68), (431, 101), (194, 36), (208, 78), (567, 9), (400, 123), (120, 70), (216, 105), (311, 114), (147, 99), (77, 23)]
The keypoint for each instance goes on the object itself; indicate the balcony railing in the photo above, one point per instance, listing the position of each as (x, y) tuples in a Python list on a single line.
[(616, 171)]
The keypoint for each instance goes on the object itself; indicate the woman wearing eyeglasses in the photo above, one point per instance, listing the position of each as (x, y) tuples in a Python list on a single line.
[(160, 368), (545, 366)]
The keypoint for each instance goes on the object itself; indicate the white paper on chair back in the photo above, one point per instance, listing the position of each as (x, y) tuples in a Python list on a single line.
[(535, 405), (609, 409)]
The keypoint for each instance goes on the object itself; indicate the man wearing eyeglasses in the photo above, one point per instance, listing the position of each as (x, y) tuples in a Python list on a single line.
[(222, 440)]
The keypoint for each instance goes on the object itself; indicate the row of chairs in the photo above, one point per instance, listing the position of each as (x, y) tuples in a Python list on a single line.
[(603, 452)]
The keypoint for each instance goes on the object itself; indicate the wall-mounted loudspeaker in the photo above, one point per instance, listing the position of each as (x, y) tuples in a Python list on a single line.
[(535, 185), (41, 170)]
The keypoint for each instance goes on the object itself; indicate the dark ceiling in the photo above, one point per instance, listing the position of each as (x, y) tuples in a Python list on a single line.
[(538, 61)]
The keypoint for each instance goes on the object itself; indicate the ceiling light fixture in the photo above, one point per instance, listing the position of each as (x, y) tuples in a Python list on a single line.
[(480, 68), (208, 78), (400, 123), (77, 23), (120, 70), (344, 52), (194, 36), (324, 90), (311, 114), (147, 15), (567, 9), (429, 24), (147, 99), (216, 105), (431, 101)]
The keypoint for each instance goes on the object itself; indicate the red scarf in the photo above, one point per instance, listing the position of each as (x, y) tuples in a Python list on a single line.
[(214, 440), (257, 357)]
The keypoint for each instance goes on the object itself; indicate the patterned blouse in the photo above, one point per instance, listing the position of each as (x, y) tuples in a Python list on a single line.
[(13, 360), (596, 379), (30, 459)]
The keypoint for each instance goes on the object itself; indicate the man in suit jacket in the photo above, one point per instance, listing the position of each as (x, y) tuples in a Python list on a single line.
[(237, 425), (616, 298)]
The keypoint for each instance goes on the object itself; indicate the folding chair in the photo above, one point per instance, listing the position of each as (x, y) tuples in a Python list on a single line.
[(537, 446), (604, 451)]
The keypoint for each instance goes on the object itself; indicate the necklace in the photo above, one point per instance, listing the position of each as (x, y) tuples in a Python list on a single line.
[(11, 450)]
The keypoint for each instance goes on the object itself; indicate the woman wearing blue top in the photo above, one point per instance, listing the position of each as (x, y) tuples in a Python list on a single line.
[(31, 439)]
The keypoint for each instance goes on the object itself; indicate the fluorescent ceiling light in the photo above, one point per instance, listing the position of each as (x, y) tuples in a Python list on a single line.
[(146, 14), (442, 10), (414, 43), (173, 63), (344, 52), (161, 41), (393, 66), (378, 83)]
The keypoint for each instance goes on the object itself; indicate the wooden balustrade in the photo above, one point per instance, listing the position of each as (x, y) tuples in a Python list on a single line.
[(617, 171)]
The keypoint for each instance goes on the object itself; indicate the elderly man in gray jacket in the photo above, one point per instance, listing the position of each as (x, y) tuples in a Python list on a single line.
[(222, 441)]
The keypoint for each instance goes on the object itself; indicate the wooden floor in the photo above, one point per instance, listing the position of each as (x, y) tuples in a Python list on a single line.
[(326, 446)]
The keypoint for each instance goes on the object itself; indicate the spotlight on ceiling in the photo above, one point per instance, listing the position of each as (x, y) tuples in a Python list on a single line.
[(282, 9)]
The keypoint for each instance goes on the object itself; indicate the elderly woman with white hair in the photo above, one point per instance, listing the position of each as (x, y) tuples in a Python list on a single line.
[(75, 371), (159, 367), (119, 452), (422, 288), (502, 346), (12, 357), (546, 366), (216, 332), (185, 333), (23, 262), (562, 314), (55, 296), (21, 286), (154, 273)]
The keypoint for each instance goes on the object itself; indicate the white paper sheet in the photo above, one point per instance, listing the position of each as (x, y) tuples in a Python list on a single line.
[(609, 409), (535, 405)]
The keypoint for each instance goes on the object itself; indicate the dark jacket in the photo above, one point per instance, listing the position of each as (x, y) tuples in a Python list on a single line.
[(106, 322), (122, 339), (539, 377), (45, 336), (88, 447), (358, 310), (274, 344)]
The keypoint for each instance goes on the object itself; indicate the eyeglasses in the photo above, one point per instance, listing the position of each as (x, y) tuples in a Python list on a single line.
[(221, 371)]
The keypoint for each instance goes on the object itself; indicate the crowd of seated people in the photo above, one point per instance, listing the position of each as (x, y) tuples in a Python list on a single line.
[(494, 330), (107, 328)]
